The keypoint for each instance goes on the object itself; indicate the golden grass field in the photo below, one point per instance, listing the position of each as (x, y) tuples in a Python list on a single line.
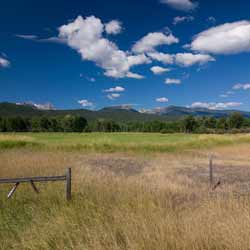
[(127, 198)]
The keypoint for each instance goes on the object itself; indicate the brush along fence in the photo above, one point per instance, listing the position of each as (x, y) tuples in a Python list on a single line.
[(33, 180)]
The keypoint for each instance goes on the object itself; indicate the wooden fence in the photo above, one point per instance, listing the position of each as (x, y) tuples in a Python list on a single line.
[(33, 180), (67, 178)]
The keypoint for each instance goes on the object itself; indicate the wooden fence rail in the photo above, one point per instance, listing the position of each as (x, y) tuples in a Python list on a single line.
[(34, 179)]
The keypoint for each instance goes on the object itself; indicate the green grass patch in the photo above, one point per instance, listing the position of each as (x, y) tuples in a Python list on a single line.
[(19, 144), (118, 142)]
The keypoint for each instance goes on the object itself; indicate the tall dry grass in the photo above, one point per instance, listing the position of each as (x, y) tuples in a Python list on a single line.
[(125, 201)]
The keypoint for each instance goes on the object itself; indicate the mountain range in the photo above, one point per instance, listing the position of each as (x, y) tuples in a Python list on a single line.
[(116, 113)]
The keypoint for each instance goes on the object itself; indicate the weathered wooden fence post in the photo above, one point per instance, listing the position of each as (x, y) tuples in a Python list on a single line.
[(34, 186), (211, 176), (12, 191), (68, 184)]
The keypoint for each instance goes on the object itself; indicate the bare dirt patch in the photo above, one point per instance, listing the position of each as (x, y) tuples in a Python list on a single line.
[(118, 165)]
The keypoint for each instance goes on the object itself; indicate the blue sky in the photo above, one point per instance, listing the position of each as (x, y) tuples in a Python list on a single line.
[(92, 54)]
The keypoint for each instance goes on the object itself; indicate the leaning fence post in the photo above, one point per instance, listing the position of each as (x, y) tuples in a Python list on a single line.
[(34, 186), (68, 184), (12, 191), (211, 177)]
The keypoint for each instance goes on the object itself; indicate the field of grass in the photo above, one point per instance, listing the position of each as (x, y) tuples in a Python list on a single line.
[(130, 192), (118, 142)]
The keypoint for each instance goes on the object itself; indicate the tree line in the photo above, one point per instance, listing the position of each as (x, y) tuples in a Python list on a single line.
[(67, 123), (235, 123)]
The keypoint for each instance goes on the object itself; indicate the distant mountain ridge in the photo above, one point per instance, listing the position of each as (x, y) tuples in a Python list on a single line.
[(46, 106), (183, 111), (124, 113), (116, 113)]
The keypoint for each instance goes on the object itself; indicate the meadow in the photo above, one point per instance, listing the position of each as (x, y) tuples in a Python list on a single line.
[(130, 191), (118, 142)]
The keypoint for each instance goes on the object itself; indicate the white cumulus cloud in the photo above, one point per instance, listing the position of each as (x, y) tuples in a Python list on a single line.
[(157, 70), (138, 59), (85, 35), (161, 99), (113, 96), (134, 75), (181, 19), (227, 94), (115, 89), (113, 27), (4, 62), (183, 5), (189, 59), (162, 57), (170, 81), (214, 105), (244, 86), (229, 38), (85, 103), (152, 40), (181, 59)]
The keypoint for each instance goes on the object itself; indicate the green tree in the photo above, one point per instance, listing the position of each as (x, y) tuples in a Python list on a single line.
[(2, 125), (235, 120), (15, 124), (79, 124), (73, 123), (35, 124), (189, 124), (222, 124), (210, 122)]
